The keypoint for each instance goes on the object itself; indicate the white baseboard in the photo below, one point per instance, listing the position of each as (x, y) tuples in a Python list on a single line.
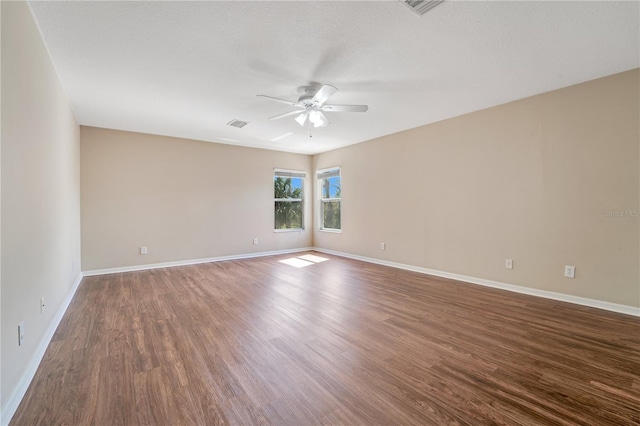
[(191, 262), (614, 307), (19, 391)]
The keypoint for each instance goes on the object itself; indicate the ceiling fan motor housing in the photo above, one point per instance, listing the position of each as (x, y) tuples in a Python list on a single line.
[(307, 98)]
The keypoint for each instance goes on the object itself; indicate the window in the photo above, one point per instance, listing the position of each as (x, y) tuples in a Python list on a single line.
[(288, 189), (330, 194)]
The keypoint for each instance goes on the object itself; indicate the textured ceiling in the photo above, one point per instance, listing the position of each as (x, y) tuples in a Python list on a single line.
[(186, 69)]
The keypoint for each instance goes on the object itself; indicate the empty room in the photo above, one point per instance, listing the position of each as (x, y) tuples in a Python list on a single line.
[(320, 212)]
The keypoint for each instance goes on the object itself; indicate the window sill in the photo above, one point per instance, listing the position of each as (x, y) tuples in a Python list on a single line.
[(289, 230), (331, 231)]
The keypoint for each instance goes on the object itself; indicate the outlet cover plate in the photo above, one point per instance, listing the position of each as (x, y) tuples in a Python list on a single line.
[(570, 271), (20, 333)]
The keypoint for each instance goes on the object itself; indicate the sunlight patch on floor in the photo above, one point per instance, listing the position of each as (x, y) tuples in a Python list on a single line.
[(313, 258), (303, 261), (298, 263)]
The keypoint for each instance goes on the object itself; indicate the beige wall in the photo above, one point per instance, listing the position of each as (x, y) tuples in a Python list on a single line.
[(182, 199), (530, 180), (40, 242)]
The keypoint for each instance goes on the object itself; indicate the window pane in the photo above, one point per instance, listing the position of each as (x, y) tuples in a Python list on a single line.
[(287, 187), (331, 214), (288, 215), (331, 187)]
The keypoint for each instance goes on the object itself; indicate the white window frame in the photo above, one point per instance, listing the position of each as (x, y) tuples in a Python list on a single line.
[(292, 174), (320, 176)]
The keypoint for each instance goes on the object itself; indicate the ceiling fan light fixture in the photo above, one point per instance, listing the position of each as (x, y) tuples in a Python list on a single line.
[(302, 118), (318, 119)]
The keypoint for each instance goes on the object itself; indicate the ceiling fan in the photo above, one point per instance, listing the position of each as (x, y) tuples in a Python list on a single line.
[(311, 106)]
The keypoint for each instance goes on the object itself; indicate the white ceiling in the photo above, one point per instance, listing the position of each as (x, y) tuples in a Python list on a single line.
[(186, 69)]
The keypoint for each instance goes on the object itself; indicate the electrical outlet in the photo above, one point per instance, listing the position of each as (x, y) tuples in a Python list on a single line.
[(382, 246), (255, 241), (570, 271), (41, 305), (143, 250), (21, 333), (508, 263)]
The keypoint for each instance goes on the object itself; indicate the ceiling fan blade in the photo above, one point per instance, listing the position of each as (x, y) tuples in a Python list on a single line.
[(318, 118), (345, 108), (286, 114), (283, 101), (302, 118), (324, 94)]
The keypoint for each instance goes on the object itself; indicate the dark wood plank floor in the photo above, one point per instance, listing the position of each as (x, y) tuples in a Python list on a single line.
[(337, 342)]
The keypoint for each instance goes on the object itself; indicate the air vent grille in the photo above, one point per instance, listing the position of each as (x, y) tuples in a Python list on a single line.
[(237, 123), (420, 7)]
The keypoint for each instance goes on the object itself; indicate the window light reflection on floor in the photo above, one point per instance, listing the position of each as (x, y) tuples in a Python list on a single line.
[(313, 258), (303, 261)]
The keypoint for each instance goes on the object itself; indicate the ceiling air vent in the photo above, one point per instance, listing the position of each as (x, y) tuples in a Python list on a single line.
[(237, 123), (420, 7)]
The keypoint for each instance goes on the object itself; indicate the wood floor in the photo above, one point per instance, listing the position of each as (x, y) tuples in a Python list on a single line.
[(336, 342)]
